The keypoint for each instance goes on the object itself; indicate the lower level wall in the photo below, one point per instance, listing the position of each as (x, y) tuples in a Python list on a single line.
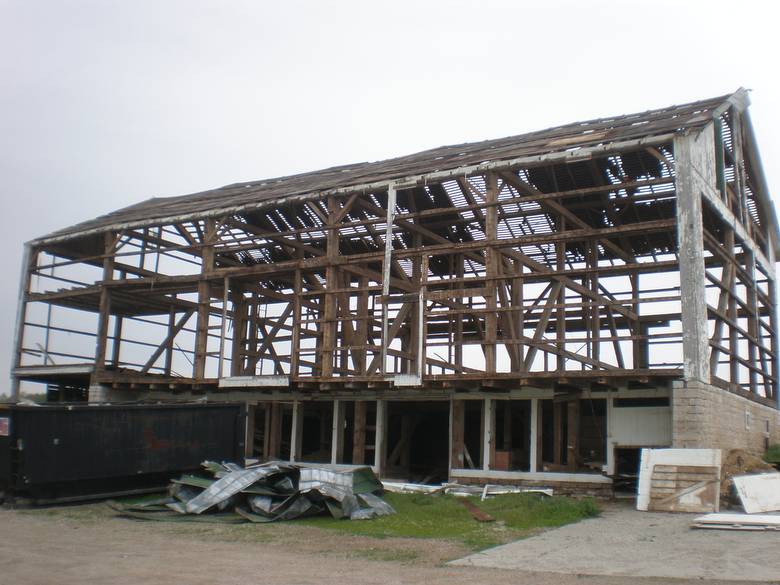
[(705, 416)]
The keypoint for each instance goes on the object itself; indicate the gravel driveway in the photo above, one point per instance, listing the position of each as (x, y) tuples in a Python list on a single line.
[(624, 542)]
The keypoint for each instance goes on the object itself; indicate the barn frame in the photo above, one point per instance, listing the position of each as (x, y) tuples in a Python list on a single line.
[(524, 310)]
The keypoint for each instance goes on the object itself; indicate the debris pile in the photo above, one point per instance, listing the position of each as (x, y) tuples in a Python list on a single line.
[(739, 462), (267, 492), (754, 485), (457, 489)]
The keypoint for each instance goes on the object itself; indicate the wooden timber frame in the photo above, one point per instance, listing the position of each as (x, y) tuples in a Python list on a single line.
[(631, 250)]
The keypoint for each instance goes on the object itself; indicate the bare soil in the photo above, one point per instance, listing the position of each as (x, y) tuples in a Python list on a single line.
[(88, 545)]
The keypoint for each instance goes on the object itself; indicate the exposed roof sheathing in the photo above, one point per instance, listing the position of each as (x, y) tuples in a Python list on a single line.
[(254, 194)]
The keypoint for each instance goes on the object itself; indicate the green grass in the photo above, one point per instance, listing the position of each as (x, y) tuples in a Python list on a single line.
[(418, 516), (773, 454), (444, 517)]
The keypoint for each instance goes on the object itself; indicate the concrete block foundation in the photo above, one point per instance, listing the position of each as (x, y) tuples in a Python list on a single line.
[(705, 416)]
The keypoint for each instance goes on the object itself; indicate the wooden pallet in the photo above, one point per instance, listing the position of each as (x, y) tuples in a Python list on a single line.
[(684, 488)]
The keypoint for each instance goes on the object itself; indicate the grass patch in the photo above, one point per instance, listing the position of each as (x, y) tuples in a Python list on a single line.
[(84, 512), (441, 517), (444, 517), (773, 454)]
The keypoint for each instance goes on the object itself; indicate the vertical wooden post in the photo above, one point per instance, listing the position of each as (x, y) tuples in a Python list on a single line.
[(249, 442), (595, 311), (422, 331), (170, 344), (610, 446), (295, 357), (405, 442), (518, 314), (330, 324), (640, 347), (557, 432), (491, 271), (380, 442), (359, 433), (117, 335), (733, 315), (223, 325), (409, 342), (47, 338), (560, 311), (506, 442), (362, 326), (572, 433), (753, 323), (266, 430), (459, 259), (386, 265), (296, 432), (116, 344), (337, 433), (774, 342), (458, 425), (695, 163), (249, 366), (344, 323), (104, 311), (488, 440), (535, 437), (204, 301), (239, 330), (275, 430)]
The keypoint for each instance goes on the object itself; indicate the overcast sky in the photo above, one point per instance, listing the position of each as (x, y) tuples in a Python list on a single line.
[(106, 103)]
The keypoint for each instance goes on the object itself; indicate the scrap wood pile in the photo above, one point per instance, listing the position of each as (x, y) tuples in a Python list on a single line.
[(266, 492), (752, 484)]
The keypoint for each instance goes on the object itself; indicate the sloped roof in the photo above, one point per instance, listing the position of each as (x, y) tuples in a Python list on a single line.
[(254, 194)]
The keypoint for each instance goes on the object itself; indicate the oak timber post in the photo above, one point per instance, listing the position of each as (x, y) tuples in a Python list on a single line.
[(104, 308), (695, 163), (330, 324), (491, 271), (359, 433), (386, 266), (488, 433), (204, 300)]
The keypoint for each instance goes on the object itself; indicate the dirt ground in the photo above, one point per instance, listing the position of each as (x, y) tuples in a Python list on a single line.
[(87, 545)]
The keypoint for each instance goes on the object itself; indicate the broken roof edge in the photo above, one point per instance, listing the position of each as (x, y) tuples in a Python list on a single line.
[(399, 183), (739, 99)]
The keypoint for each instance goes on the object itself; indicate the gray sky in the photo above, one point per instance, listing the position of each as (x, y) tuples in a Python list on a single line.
[(106, 103)]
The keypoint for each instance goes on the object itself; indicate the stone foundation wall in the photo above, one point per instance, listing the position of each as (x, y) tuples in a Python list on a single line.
[(705, 416)]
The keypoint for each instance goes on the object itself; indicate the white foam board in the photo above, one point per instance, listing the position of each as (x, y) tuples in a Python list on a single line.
[(758, 493)]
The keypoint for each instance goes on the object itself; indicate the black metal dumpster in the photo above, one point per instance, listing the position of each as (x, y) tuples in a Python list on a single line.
[(63, 452)]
